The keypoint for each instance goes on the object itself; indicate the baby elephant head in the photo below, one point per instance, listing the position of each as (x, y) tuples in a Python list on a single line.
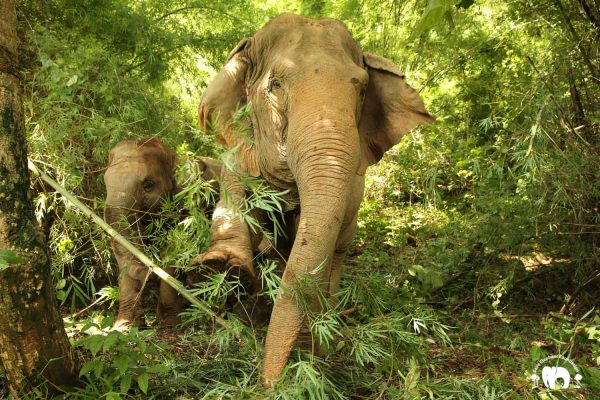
[(139, 176)]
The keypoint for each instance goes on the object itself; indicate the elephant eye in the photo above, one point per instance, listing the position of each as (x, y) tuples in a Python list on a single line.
[(274, 84), (148, 185)]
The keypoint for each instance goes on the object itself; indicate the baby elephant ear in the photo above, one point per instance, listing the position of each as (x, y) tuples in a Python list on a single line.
[(111, 157), (170, 161), (391, 109), (166, 156), (121, 149), (221, 99)]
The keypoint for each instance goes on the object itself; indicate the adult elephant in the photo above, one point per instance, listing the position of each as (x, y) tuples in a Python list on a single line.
[(322, 112)]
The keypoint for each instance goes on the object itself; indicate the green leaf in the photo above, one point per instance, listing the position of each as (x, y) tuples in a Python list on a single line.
[(121, 362), (99, 368), (72, 81), (158, 368), (110, 340), (106, 322), (61, 295), (536, 354), (87, 367), (65, 246), (125, 383), (9, 257), (87, 326), (94, 344), (113, 396), (436, 12), (143, 382)]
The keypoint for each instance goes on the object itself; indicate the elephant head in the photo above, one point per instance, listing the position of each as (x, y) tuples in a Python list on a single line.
[(139, 176), (551, 374), (322, 111)]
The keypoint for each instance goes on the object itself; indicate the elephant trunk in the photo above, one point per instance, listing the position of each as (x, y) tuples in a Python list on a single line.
[(121, 212), (323, 166), (132, 273), (123, 220)]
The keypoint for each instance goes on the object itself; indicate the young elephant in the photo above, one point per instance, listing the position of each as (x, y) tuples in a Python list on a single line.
[(322, 112), (140, 175)]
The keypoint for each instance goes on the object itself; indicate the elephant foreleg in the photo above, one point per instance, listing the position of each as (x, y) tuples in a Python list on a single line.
[(133, 276), (232, 242), (130, 299), (170, 302)]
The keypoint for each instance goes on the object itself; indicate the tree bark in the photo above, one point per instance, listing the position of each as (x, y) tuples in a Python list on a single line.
[(576, 101), (33, 344)]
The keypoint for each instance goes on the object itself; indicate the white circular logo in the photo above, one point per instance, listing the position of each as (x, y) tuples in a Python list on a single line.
[(556, 375)]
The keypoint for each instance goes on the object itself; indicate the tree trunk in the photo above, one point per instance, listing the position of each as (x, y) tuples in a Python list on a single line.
[(33, 343)]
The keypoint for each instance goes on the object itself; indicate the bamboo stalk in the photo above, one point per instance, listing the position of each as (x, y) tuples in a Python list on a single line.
[(162, 274)]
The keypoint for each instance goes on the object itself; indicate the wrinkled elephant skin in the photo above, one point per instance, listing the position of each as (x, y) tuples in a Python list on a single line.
[(322, 112)]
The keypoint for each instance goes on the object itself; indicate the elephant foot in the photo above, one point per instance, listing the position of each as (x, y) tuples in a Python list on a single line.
[(123, 322), (168, 315), (129, 313), (121, 326), (235, 262), (194, 278), (169, 320)]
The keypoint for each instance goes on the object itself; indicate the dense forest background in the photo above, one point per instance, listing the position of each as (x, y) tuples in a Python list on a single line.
[(477, 253)]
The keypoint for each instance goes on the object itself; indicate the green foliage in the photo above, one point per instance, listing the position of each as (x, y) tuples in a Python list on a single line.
[(181, 230), (436, 12), (120, 361), (260, 196), (101, 72), (261, 200)]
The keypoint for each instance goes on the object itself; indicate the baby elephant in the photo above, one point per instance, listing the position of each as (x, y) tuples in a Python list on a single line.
[(140, 175)]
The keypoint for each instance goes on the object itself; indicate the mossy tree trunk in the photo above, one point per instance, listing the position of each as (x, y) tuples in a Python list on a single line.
[(33, 343)]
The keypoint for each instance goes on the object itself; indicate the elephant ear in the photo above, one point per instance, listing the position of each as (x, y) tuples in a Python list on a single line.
[(154, 149), (225, 94), (165, 156), (120, 150), (391, 109)]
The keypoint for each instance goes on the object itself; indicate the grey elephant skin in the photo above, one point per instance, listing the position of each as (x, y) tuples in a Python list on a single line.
[(322, 112), (139, 176)]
